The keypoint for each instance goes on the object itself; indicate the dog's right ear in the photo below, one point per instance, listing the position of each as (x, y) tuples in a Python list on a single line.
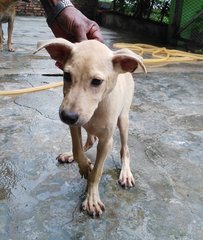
[(58, 48), (125, 60)]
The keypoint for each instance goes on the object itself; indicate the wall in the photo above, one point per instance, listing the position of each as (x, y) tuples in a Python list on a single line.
[(33, 8), (147, 30)]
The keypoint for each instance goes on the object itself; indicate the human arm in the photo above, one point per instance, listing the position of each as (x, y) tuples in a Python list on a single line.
[(70, 23)]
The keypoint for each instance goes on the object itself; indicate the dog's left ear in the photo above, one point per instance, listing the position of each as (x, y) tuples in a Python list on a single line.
[(125, 60), (58, 48)]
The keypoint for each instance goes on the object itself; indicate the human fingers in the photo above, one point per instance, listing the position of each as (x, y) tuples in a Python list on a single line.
[(95, 32)]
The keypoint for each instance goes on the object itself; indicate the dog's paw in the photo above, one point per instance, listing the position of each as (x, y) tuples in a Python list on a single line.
[(126, 179), (10, 48), (93, 205), (65, 157)]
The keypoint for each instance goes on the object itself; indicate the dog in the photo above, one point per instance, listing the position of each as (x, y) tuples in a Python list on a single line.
[(98, 91), (7, 15)]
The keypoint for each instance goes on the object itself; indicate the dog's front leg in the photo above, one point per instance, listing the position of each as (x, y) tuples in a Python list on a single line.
[(93, 204), (85, 165)]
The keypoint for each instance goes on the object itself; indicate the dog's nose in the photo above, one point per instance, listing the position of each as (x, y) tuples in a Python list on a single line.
[(69, 117)]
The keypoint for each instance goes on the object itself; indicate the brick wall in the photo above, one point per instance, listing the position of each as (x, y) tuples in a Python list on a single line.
[(33, 8)]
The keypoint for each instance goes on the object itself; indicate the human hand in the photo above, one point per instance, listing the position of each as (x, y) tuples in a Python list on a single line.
[(72, 25)]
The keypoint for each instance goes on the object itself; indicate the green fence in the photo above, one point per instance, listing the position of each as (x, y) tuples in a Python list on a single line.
[(154, 10), (186, 23), (183, 17)]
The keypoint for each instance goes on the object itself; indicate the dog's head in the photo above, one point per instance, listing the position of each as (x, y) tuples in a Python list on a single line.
[(90, 73)]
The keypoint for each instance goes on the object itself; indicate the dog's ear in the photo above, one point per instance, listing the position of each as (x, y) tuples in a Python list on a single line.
[(125, 60), (58, 48)]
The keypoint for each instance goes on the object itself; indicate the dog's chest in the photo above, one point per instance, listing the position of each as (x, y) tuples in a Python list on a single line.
[(98, 128), (6, 15), (4, 18)]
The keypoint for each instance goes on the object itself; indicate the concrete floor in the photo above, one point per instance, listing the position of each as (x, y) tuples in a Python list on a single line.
[(40, 199)]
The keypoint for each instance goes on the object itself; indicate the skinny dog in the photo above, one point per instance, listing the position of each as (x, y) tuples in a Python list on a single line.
[(7, 15), (98, 90)]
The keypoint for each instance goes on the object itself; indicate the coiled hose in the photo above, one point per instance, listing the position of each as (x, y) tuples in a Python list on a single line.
[(155, 55), (159, 55)]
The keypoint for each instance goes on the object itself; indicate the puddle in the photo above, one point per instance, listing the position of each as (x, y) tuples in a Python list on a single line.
[(7, 179)]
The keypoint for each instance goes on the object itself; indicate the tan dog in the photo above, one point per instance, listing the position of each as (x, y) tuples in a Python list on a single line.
[(7, 15), (98, 91)]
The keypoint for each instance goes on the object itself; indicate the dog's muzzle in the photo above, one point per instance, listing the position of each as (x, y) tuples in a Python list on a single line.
[(69, 118)]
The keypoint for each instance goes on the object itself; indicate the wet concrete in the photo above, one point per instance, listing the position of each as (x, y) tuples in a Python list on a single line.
[(40, 199)]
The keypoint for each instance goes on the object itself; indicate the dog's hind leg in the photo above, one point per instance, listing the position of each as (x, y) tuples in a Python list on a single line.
[(126, 178), (85, 165), (91, 139), (67, 157), (10, 31), (1, 37)]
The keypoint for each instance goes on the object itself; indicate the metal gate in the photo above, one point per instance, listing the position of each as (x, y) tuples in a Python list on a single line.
[(187, 21)]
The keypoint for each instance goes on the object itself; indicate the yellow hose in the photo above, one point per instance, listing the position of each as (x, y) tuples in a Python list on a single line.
[(154, 55), (160, 55), (30, 90)]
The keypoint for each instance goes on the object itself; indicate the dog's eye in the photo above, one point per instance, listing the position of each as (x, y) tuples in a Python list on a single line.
[(67, 76), (96, 82)]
